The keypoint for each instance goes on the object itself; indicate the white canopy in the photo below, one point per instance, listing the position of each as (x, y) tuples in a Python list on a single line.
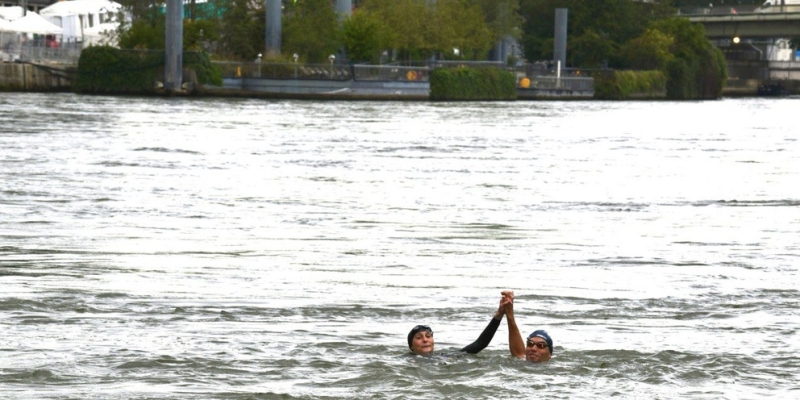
[(105, 33), (3, 24), (11, 13), (79, 7), (105, 28), (33, 23)]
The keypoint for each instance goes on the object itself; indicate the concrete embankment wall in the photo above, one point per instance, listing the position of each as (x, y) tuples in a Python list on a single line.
[(34, 78), (321, 89)]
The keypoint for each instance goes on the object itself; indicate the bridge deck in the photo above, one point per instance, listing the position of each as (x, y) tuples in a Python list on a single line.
[(771, 22)]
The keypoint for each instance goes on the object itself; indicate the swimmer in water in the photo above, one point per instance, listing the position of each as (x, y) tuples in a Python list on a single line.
[(538, 347), (420, 338)]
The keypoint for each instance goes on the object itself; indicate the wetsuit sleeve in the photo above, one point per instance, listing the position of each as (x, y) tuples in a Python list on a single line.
[(484, 339)]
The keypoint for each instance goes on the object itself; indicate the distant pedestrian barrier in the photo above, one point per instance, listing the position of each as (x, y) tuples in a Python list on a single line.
[(583, 84), (537, 78), (51, 51)]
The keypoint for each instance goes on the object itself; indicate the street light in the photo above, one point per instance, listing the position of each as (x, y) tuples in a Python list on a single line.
[(736, 40), (258, 60), (295, 56), (331, 58)]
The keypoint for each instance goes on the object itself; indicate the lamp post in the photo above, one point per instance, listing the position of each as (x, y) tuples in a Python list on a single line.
[(331, 58), (258, 60), (295, 56)]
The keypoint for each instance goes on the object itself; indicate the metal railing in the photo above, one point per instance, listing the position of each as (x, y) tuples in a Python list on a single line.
[(283, 70), (42, 51), (737, 10), (390, 73), (540, 76), (562, 83)]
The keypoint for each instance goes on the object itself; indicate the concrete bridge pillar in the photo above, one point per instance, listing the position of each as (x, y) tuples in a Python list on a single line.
[(273, 31), (344, 8), (560, 42), (173, 68)]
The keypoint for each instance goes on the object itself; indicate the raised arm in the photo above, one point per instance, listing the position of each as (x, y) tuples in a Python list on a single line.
[(488, 333), (515, 344)]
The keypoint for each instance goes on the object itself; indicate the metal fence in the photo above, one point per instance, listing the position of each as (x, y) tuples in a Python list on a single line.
[(391, 73), (738, 10), (283, 70), (16, 47), (562, 83), (540, 76), (66, 54)]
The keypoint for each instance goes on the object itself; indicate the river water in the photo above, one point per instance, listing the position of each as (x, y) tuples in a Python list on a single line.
[(251, 249)]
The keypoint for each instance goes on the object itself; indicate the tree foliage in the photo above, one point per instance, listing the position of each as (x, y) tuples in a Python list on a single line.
[(242, 29), (697, 69), (406, 23), (650, 51), (364, 36), (610, 23), (419, 29), (502, 17), (311, 29), (459, 24)]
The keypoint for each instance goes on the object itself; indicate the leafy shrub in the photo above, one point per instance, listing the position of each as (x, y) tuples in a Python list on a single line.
[(472, 84), (621, 85), (104, 69)]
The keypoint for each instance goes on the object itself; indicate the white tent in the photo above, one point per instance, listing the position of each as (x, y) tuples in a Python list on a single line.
[(80, 7), (33, 23), (11, 13), (102, 34), (3, 24), (76, 16)]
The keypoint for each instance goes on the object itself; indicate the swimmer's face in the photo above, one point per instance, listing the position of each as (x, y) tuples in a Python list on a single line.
[(536, 350), (422, 343)]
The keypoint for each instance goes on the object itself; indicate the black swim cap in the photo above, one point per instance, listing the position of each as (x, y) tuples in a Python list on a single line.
[(415, 330)]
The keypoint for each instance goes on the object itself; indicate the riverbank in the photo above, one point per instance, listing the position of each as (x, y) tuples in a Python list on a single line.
[(28, 77), (25, 77)]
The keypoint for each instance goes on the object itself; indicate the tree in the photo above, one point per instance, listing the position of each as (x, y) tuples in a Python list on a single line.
[(147, 10), (311, 29), (615, 21), (697, 70), (242, 30), (458, 24), (591, 50), (407, 22), (502, 18), (364, 36), (650, 51)]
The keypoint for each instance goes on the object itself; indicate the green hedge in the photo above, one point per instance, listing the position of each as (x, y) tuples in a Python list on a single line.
[(105, 69), (698, 79), (472, 84), (622, 85), (207, 73)]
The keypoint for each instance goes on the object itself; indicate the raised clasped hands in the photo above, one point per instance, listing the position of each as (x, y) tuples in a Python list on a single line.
[(507, 301)]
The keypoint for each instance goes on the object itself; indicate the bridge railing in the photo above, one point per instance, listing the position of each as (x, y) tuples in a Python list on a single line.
[(737, 10)]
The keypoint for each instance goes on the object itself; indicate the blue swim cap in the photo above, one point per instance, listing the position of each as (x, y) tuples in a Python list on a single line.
[(543, 334)]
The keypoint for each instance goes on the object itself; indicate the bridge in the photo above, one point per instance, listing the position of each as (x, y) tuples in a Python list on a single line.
[(747, 22), (749, 37)]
